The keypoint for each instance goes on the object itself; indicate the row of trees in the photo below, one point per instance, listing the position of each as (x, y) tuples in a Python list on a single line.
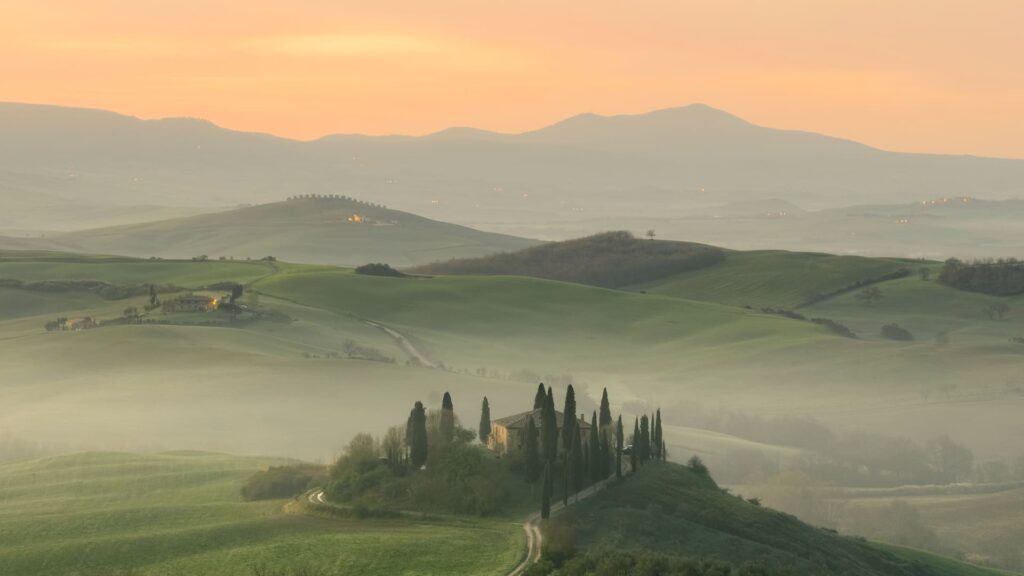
[(584, 454), (1002, 277), (333, 197)]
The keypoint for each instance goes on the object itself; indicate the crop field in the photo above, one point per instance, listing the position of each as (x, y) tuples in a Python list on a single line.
[(181, 513)]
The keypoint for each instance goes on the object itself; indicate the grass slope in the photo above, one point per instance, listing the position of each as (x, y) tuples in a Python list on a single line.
[(643, 347), (34, 266), (305, 230), (668, 508), (181, 513), (772, 278)]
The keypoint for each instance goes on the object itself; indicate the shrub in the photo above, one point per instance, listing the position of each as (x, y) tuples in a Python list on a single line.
[(697, 465), (838, 328), (282, 481), (896, 332), (379, 269)]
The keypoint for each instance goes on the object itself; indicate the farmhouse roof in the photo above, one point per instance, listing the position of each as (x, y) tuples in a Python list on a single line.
[(519, 420)]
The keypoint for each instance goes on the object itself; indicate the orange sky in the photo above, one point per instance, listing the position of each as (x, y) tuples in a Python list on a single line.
[(935, 75)]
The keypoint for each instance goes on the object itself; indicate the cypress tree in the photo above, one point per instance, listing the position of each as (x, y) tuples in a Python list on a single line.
[(618, 447), (545, 493), (533, 464), (418, 418), (447, 418), (539, 397), (549, 428), (485, 421), (636, 445), (606, 411), (579, 463), (596, 466), (658, 441), (569, 418), (645, 439)]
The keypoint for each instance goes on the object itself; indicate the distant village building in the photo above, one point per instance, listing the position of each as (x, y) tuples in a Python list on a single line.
[(76, 324), (191, 303), (508, 434)]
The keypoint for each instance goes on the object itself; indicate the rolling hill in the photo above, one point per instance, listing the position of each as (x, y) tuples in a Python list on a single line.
[(493, 335), (671, 510), (335, 230), (609, 260)]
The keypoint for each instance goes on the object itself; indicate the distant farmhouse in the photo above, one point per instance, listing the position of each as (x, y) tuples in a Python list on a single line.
[(508, 434), (191, 303), (77, 324)]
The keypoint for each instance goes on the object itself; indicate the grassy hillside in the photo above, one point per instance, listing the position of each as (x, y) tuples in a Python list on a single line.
[(337, 231), (181, 513), (497, 336), (43, 265), (670, 509), (610, 260), (773, 278), (927, 308)]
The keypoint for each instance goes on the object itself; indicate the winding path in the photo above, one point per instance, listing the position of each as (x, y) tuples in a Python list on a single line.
[(404, 342), (531, 526), (535, 538)]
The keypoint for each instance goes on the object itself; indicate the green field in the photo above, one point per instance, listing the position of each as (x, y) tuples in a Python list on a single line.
[(773, 278), (497, 336), (180, 513), (275, 387)]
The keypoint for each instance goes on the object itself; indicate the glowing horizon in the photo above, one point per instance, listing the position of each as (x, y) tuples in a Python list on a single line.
[(915, 77)]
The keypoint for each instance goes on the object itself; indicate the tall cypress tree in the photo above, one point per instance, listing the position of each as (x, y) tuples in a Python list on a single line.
[(545, 493), (607, 429), (618, 447), (447, 418), (549, 428), (569, 418), (596, 465), (606, 411), (418, 418), (538, 398), (485, 421), (658, 441), (633, 453), (578, 462), (533, 463), (645, 439)]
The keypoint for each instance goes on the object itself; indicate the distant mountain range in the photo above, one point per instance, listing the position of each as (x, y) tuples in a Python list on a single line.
[(72, 169)]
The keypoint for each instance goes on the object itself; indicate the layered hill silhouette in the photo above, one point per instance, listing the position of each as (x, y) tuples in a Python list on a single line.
[(659, 163), (317, 230)]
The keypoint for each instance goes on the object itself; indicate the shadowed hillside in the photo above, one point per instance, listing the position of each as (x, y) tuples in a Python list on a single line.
[(609, 260)]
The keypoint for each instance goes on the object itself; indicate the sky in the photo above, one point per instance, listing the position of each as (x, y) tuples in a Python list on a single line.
[(939, 76)]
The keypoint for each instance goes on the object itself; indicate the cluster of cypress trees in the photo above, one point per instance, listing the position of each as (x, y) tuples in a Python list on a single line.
[(416, 429), (586, 458), (648, 442)]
